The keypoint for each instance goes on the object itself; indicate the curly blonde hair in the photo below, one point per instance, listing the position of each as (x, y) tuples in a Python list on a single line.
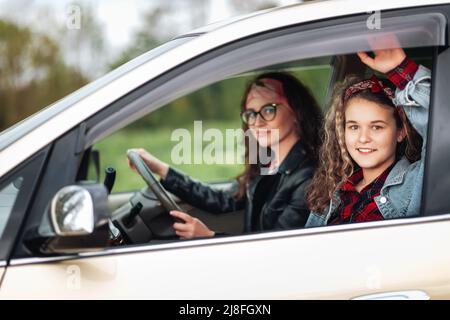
[(335, 164)]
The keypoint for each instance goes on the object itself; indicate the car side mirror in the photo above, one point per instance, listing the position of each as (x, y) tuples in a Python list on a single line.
[(78, 216)]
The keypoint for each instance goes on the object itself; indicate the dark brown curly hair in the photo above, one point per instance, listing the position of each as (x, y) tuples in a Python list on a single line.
[(308, 115)]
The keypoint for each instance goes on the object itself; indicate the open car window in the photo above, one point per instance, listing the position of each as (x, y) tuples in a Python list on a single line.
[(214, 107)]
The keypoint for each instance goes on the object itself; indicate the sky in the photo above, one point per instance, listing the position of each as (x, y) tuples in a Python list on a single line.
[(119, 18)]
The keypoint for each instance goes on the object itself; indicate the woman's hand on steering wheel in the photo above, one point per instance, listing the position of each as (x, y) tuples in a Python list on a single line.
[(155, 165), (191, 228)]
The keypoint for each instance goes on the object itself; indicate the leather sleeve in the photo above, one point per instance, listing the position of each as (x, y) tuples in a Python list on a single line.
[(296, 213), (288, 210)]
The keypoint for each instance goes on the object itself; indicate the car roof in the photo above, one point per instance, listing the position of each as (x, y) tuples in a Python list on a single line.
[(21, 141)]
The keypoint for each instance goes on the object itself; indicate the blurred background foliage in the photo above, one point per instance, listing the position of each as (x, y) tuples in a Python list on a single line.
[(39, 65), (33, 73)]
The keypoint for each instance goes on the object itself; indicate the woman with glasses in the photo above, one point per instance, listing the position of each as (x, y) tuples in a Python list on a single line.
[(284, 122)]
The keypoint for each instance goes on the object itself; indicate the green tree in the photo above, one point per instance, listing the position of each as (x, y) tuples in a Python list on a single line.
[(33, 73)]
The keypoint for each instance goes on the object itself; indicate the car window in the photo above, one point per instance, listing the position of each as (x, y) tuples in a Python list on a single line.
[(328, 58)]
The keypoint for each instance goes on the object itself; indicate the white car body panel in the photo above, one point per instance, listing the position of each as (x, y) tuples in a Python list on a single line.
[(170, 273), (35, 140)]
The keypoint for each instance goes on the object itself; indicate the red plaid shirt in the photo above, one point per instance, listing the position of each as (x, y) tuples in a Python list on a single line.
[(359, 206), (403, 73)]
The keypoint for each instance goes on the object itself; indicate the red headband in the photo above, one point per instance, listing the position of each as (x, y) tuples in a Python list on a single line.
[(375, 84)]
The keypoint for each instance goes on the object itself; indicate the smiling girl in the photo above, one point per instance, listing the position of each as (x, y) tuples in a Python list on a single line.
[(372, 159), (272, 195)]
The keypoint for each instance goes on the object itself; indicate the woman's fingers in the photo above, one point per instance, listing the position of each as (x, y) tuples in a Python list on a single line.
[(181, 215), (148, 159), (131, 165), (192, 228), (154, 164), (184, 235), (181, 234), (141, 152), (181, 226)]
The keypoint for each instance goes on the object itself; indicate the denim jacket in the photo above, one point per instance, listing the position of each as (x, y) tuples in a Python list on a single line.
[(401, 193)]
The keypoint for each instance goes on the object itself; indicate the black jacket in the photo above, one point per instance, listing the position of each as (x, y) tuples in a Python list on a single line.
[(286, 208)]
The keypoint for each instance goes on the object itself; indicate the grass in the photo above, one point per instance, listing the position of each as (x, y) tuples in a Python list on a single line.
[(157, 139), (158, 142)]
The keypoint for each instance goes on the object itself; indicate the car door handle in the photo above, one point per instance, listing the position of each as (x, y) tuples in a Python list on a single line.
[(396, 295)]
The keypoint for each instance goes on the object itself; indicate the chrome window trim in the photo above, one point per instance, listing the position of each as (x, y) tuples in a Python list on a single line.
[(35, 140), (237, 239)]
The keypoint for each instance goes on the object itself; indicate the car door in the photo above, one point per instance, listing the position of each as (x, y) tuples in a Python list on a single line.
[(317, 264), (400, 259)]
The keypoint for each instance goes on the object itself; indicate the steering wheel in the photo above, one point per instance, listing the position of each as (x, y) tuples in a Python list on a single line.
[(163, 196)]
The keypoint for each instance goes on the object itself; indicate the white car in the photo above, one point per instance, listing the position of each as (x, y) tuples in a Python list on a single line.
[(54, 225)]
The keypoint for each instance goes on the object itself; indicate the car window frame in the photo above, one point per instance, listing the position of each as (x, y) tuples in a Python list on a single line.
[(184, 68)]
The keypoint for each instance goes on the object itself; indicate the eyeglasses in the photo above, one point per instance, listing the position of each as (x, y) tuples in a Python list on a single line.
[(268, 112)]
